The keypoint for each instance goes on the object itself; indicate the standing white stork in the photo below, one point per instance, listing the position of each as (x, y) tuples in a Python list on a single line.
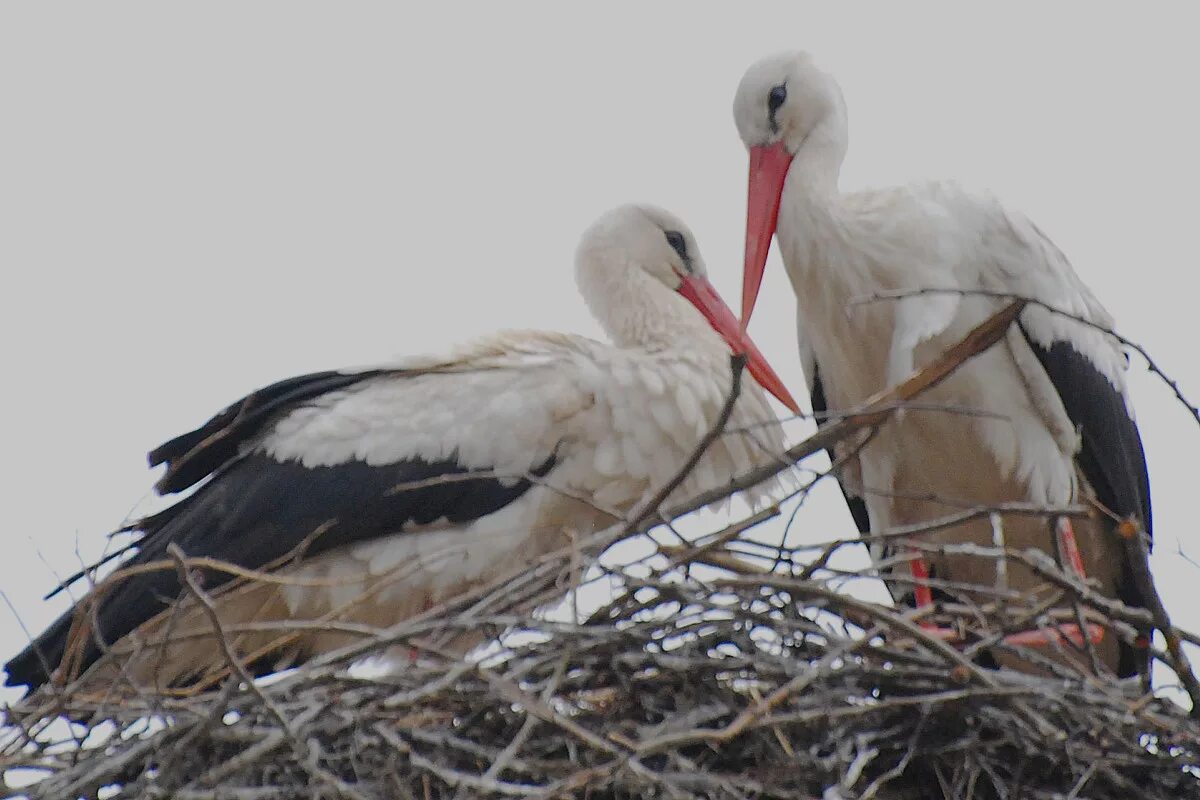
[(376, 494), (1057, 427)]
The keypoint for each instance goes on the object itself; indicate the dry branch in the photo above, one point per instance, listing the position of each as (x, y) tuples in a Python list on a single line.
[(1151, 364)]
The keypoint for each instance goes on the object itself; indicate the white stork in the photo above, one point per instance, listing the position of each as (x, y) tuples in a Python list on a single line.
[(380, 493), (1058, 426)]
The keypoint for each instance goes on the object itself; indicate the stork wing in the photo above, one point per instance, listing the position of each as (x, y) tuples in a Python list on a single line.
[(1110, 455), (1086, 367), (1001, 251), (193, 456), (325, 460)]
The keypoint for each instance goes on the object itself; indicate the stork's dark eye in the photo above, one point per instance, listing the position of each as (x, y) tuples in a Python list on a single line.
[(678, 244), (776, 98)]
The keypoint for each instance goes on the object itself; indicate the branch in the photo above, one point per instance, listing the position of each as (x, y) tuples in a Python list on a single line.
[(1137, 557), (873, 411), (1033, 301), (210, 610)]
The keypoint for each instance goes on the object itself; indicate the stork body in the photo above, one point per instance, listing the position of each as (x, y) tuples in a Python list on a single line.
[(1043, 417), (373, 495)]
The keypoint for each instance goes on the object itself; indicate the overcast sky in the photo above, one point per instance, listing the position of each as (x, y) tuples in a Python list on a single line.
[(196, 201)]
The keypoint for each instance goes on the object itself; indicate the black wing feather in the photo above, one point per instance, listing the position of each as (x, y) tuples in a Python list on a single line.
[(258, 512), (820, 406), (262, 512), (1111, 456), (194, 455)]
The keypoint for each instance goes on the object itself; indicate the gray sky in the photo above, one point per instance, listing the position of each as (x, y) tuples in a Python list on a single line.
[(196, 201)]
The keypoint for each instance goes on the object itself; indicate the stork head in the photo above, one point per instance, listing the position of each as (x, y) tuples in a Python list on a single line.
[(628, 265), (781, 102)]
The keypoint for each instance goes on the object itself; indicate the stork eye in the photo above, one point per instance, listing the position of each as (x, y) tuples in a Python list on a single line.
[(678, 244), (776, 98)]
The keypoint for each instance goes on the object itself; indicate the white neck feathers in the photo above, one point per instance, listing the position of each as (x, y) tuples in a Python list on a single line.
[(635, 309)]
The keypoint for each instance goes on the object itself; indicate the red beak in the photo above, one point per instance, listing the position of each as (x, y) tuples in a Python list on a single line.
[(700, 293), (768, 169)]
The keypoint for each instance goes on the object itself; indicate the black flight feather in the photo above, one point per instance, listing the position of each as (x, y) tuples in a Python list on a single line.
[(1111, 456), (257, 512)]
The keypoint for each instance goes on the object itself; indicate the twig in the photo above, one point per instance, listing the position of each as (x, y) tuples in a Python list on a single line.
[(1137, 557), (235, 662), (873, 411), (1151, 364)]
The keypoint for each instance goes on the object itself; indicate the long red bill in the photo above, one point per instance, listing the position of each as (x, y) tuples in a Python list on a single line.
[(768, 169), (700, 293)]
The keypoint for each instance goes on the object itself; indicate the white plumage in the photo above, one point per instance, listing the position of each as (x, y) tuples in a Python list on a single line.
[(1050, 419), (507, 402), (376, 494), (604, 414)]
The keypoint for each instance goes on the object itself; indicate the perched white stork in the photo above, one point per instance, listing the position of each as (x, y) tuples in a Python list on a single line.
[(382, 492), (1057, 425)]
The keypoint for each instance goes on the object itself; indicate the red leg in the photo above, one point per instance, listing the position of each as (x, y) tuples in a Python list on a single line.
[(1068, 552), (1068, 548), (922, 594)]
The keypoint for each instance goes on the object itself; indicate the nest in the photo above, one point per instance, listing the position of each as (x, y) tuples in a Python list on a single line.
[(734, 686), (721, 667)]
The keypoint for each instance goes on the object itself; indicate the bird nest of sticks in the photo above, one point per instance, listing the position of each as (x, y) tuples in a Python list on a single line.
[(717, 667), (736, 684)]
